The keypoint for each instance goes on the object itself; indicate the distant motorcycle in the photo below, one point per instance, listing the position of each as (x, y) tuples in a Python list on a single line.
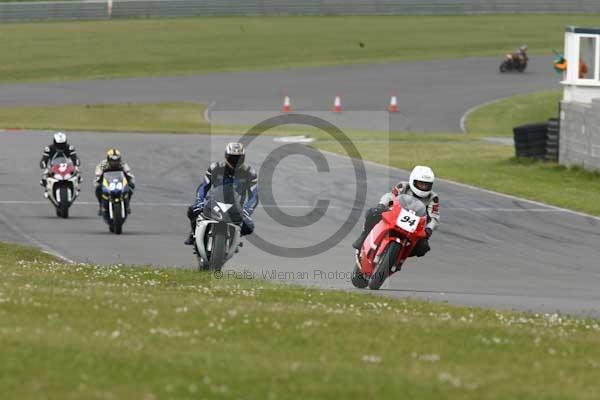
[(218, 228), (514, 63), (62, 184), (390, 242), (115, 195)]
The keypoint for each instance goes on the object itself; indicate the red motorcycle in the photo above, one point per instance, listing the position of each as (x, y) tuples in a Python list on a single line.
[(390, 242)]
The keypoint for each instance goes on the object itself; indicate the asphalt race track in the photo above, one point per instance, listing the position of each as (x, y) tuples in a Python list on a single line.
[(491, 250), (432, 95)]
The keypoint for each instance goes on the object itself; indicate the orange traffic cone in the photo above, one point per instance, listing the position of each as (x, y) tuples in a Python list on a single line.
[(337, 104), (287, 105), (393, 107)]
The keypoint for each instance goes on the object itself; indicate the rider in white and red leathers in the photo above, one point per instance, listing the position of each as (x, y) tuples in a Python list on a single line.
[(58, 145), (419, 185)]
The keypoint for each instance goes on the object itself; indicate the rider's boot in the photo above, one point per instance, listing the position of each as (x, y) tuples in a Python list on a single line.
[(43, 184), (359, 241), (190, 239)]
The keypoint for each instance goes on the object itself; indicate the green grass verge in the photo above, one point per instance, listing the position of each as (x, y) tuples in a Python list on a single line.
[(120, 48), (82, 331), (500, 117), (162, 117)]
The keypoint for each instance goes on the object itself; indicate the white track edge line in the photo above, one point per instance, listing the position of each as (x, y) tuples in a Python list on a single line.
[(463, 119), (207, 111), (45, 248)]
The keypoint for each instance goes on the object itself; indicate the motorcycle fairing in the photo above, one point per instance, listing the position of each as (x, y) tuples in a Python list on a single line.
[(202, 226), (386, 231)]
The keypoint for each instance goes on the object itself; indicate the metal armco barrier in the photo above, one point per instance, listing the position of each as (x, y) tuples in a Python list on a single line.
[(104, 9)]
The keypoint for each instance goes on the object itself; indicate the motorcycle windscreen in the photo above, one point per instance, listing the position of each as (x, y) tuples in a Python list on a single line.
[(115, 181), (411, 203), (223, 203), (61, 165)]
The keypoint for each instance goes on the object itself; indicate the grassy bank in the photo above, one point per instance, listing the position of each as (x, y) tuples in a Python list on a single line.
[(500, 117), (80, 331), (120, 48)]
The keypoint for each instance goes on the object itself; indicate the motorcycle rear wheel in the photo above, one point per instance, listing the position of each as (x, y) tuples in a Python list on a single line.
[(382, 271)]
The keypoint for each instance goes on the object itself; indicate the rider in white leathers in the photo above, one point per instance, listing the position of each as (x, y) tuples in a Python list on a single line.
[(420, 185)]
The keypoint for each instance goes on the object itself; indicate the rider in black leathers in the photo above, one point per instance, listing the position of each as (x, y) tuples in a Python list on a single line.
[(231, 171)]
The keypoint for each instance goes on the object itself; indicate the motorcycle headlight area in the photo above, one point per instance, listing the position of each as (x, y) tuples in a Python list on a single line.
[(115, 186)]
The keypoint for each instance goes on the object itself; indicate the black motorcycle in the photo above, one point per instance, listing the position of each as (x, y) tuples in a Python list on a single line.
[(514, 63)]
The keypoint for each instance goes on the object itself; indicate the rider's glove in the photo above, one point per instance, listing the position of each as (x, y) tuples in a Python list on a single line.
[(428, 231)]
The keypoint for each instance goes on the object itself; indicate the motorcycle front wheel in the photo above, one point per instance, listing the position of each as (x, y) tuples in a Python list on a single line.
[(117, 222), (358, 279), (219, 248), (382, 271), (63, 207), (504, 67)]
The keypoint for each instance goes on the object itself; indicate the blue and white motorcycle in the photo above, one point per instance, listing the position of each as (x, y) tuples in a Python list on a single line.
[(115, 197)]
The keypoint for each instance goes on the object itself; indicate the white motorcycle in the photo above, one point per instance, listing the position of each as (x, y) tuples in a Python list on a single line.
[(62, 184), (218, 228)]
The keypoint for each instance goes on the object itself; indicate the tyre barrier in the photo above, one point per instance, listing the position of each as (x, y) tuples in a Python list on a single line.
[(538, 141), (553, 139)]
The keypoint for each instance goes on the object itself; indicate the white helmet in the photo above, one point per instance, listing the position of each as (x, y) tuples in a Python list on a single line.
[(60, 138), (421, 181)]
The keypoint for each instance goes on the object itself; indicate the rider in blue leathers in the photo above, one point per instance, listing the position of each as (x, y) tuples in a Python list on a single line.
[(231, 171)]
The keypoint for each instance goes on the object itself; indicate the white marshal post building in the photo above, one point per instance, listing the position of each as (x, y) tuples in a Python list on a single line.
[(580, 106)]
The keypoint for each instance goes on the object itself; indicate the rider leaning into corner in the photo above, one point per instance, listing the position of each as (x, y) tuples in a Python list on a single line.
[(59, 145), (113, 163), (230, 171), (419, 185), (521, 53)]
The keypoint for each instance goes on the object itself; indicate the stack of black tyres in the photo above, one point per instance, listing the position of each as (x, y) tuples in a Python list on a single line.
[(552, 140), (530, 140)]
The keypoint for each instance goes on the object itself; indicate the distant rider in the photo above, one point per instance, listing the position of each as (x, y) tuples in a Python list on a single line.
[(58, 146), (113, 162), (420, 185), (231, 171), (521, 54)]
